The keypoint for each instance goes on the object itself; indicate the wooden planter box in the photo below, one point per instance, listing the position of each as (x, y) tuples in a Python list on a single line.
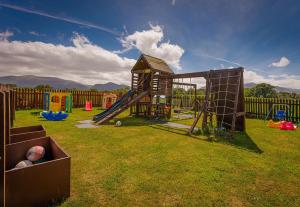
[(42, 184), (21, 134)]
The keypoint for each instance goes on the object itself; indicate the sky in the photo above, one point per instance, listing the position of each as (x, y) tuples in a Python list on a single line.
[(99, 41)]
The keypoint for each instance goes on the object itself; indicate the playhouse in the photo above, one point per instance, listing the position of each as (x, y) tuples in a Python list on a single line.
[(108, 99), (58, 101)]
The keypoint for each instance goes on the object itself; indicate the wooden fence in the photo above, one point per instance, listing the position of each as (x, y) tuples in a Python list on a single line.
[(261, 107), (28, 98)]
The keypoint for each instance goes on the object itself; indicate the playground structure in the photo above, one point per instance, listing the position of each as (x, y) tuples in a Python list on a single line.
[(153, 79), (108, 99), (58, 101)]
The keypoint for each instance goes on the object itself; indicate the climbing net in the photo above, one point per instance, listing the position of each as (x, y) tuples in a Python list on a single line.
[(223, 98)]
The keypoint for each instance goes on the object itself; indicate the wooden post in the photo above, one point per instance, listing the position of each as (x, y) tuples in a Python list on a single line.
[(207, 92), (7, 116), (150, 95), (132, 77), (2, 148), (195, 98), (170, 85)]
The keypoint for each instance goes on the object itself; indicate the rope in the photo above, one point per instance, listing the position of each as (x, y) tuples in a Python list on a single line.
[(225, 100)]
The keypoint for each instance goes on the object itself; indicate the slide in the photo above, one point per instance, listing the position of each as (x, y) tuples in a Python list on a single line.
[(113, 107), (118, 107)]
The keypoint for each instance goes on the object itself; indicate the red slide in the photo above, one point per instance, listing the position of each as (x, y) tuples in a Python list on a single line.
[(88, 106)]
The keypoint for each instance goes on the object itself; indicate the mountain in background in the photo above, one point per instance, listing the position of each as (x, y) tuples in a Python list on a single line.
[(277, 88), (108, 86), (249, 85), (32, 81)]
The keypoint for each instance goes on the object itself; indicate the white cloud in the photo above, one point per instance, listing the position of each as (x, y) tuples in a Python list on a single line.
[(5, 35), (34, 33), (283, 80), (82, 61), (150, 42), (173, 2), (283, 62)]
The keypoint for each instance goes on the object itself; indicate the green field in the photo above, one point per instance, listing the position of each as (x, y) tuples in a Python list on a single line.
[(146, 164)]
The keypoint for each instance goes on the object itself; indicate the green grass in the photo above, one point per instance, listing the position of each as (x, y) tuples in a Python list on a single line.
[(143, 164)]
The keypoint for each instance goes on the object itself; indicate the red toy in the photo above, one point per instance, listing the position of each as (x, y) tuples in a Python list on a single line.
[(88, 106), (284, 125)]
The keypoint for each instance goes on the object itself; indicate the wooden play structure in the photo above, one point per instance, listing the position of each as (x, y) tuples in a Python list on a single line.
[(58, 101), (153, 80), (108, 99), (42, 184), (152, 75)]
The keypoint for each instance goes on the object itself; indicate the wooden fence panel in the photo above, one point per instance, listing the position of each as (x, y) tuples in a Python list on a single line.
[(260, 108), (27, 98)]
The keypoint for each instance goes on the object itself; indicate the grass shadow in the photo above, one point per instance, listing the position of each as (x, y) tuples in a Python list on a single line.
[(133, 121), (170, 129), (240, 140)]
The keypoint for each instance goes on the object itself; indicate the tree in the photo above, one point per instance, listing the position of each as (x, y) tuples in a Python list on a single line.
[(41, 87), (263, 90), (247, 92)]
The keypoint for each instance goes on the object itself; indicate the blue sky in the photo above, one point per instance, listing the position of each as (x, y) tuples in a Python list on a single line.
[(263, 36)]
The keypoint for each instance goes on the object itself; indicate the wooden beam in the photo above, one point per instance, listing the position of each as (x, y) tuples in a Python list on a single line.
[(185, 84), (190, 75), (2, 148), (196, 120), (203, 74), (7, 116)]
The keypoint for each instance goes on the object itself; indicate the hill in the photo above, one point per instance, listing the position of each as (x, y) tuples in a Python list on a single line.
[(277, 88), (32, 81), (108, 86)]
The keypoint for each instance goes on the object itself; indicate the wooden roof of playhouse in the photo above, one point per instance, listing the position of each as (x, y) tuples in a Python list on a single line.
[(148, 62)]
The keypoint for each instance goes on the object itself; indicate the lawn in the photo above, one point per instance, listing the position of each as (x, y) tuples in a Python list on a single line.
[(146, 164)]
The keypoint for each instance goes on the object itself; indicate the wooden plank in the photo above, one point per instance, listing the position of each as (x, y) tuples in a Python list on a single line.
[(185, 84), (204, 74), (196, 120), (236, 101), (7, 116), (2, 148)]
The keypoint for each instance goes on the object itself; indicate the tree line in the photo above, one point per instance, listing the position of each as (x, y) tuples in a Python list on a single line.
[(264, 90)]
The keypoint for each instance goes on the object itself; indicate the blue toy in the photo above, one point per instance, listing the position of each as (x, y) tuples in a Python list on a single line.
[(280, 115), (51, 116)]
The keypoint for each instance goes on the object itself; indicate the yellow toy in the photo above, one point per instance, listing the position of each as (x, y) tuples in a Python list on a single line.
[(273, 124), (56, 101)]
